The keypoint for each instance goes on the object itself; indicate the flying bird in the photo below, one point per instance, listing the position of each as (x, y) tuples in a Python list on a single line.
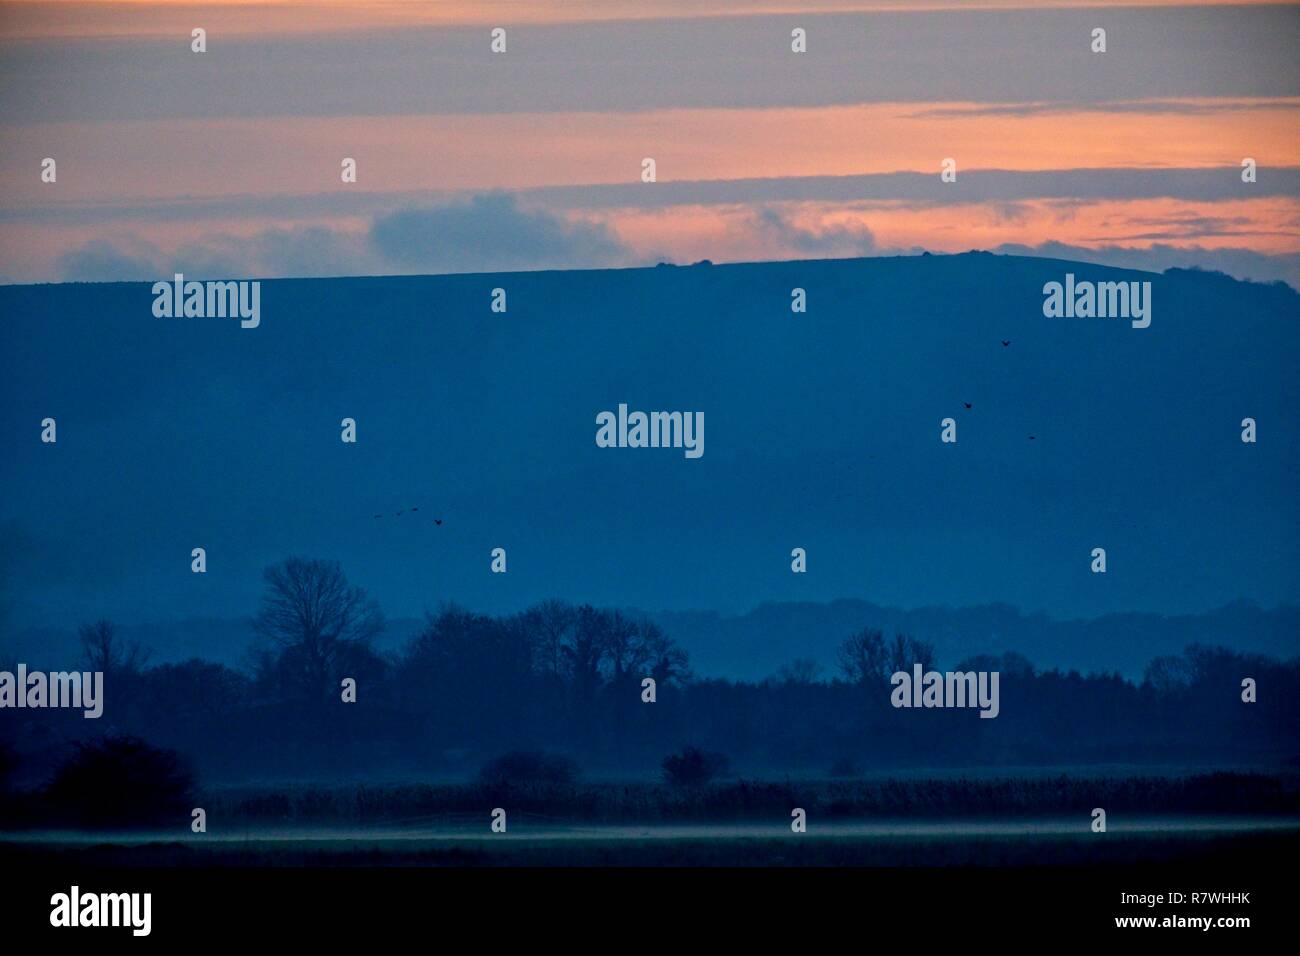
[(1006, 342), (437, 521), (1031, 437), (398, 514), (967, 404)]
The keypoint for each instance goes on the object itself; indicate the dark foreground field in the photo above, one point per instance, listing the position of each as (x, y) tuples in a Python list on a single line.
[(958, 821), (963, 844), (988, 857)]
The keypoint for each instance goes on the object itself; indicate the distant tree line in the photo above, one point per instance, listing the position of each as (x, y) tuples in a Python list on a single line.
[(569, 681)]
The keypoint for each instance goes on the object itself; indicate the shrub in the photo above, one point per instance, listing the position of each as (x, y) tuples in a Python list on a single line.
[(693, 767), (529, 766), (120, 781)]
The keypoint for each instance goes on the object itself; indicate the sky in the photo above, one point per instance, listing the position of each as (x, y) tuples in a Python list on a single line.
[(227, 163)]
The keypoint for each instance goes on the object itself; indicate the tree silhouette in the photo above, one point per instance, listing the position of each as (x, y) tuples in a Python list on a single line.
[(120, 781), (693, 767), (549, 625), (318, 621), (584, 652), (104, 651), (1168, 674), (801, 671), (863, 657), (529, 766), (905, 652)]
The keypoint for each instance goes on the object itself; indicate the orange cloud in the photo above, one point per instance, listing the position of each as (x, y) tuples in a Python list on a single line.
[(163, 159)]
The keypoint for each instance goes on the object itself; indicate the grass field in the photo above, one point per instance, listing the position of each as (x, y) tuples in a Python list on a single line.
[(530, 843), (953, 821)]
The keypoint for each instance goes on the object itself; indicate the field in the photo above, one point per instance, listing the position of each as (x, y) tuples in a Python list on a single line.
[(958, 821)]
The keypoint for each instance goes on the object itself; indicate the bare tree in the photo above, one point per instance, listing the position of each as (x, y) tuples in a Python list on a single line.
[(1169, 674), (549, 626), (801, 671), (103, 651), (1015, 664), (661, 655), (863, 657), (317, 619), (583, 653), (620, 649), (905, 652)]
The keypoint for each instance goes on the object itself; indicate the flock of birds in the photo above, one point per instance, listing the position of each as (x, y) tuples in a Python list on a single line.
[(1006, 343), (398, 514)]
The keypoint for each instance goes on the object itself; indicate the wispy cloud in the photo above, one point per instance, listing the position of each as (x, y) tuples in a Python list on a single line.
[(972, 186), (922, 57), (496, 232), (491, 232), (1150, 107), (821, 239), (303, 251), (1064, 189), (483, 233)]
